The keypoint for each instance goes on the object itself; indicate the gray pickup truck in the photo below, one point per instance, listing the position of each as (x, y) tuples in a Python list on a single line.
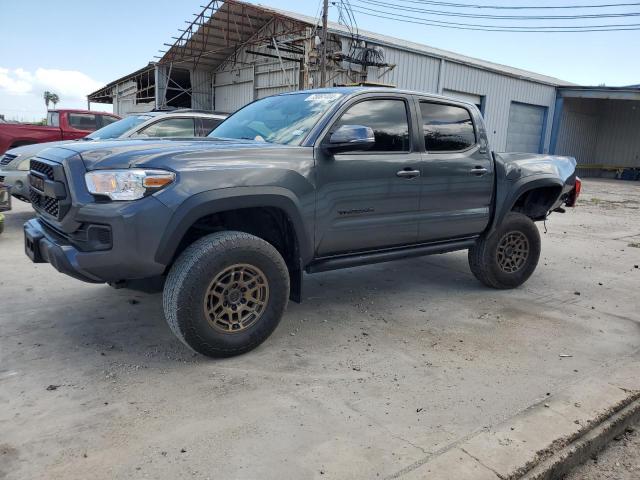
[(300, 182)]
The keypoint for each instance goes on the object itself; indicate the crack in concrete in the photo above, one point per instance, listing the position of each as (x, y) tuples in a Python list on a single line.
[(483, 464)]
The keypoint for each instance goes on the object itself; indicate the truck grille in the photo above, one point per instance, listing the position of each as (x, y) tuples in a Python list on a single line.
[(43, 168), (48, 204), (7, 159), (44, 201)]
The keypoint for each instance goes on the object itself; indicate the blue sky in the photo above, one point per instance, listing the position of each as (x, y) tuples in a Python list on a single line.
[(72, 47)]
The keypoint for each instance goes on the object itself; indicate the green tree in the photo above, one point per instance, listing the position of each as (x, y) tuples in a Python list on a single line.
[(47, 98), (54, 99)]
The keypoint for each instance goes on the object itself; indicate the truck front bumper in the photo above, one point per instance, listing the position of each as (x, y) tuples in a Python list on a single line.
[(129, 234)]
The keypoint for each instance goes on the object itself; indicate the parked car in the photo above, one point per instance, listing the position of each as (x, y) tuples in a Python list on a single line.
[(300, 182), (14, 164), (5, 203), (61, 125)]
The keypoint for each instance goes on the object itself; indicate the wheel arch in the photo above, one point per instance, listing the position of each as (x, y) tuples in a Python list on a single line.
[(514, 193), (227, 201)]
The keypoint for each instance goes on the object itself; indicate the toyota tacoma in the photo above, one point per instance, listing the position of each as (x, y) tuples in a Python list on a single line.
[(308, 181)]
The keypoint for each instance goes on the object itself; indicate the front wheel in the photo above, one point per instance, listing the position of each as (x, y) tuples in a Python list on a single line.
[(507, 257), (226, 293)]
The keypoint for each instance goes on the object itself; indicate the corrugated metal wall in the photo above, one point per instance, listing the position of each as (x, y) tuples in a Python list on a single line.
[(271, 79), (618, 134), (201, 89), (423, 73), (413, 71), (600, 132), (578, 131), (233, 88), (499, 91)]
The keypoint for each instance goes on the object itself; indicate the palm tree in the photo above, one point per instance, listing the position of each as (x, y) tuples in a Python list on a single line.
[(47, 98), (54, 99)]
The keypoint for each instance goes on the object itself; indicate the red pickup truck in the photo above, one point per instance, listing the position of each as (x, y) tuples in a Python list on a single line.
[(61, 125)]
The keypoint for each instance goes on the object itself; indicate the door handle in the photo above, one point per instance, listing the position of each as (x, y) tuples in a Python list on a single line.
[(478, 171), (406, 173)]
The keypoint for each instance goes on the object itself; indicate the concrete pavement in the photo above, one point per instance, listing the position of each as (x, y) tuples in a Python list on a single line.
[(382, 370)]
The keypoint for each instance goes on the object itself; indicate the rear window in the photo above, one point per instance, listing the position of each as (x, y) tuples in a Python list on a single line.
[(83, 121), (447, 128), (53, 119), (171, 127), (207, 125)]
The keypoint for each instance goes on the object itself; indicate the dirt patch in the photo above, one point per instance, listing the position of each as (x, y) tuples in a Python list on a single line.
[(621, 460)]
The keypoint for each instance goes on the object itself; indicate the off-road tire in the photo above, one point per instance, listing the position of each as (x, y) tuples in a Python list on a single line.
[(483, 257), (188, 284)]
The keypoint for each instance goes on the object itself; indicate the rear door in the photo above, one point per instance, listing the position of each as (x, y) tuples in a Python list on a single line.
[(457, 179), (363, 201)]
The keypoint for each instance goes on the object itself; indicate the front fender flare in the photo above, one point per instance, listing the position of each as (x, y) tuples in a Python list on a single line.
[(215, 201)]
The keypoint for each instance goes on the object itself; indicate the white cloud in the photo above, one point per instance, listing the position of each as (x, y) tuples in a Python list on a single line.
[(68, 84), (13, 83), (21, 91)]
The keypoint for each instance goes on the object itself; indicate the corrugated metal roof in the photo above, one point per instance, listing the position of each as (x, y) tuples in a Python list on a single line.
[(431, 51)]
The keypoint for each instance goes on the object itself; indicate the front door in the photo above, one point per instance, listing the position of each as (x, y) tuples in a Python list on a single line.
[(368, 200), (457, 173)]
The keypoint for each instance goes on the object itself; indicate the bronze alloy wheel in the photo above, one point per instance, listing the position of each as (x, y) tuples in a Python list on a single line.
[(236, 298), (512, 252)]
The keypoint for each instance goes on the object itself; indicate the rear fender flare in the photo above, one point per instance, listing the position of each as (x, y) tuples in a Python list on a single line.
[(511, 192)]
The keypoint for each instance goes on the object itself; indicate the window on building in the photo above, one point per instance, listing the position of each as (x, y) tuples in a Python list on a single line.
[(171, 127), (83, 121), (387, 119), (447, 128)]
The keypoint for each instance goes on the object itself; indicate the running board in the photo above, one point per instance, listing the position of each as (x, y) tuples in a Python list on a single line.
[(358, 259)]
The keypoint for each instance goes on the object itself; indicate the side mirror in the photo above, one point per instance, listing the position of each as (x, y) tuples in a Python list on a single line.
[(349, 138)]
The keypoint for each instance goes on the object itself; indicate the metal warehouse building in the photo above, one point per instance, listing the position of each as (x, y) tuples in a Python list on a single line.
[(234, 52)]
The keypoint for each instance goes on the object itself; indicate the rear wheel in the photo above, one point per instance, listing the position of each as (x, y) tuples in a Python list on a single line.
[(226, 293), (507, 257)]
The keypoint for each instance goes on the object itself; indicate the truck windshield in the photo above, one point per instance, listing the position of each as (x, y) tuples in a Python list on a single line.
[(282, 119), (116, 129)]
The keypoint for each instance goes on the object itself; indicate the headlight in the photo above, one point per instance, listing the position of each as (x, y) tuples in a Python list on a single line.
[(23, 163), (130, 184)]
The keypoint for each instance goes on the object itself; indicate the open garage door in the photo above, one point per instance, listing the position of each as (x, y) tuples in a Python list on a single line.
[(526, 128)]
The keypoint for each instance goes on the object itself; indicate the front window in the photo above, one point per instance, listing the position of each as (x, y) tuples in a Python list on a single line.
[(283, 119), (387, 119), (116, 129)]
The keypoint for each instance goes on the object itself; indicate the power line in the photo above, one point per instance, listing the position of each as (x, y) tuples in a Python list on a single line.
[(483, 25), (542, 29), (497, 17), (522, 7)]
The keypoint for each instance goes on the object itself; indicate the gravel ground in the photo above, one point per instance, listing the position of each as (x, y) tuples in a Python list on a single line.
[(619, 461), (379, 368)]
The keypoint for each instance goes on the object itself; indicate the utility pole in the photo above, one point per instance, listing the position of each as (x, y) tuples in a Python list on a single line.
[(323, 50)]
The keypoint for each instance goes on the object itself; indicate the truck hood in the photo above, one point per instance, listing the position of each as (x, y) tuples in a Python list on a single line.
[(170, 154), (33, 149)]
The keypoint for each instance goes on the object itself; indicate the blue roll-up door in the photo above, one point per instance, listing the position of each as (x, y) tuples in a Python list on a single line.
[(526, 128)]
